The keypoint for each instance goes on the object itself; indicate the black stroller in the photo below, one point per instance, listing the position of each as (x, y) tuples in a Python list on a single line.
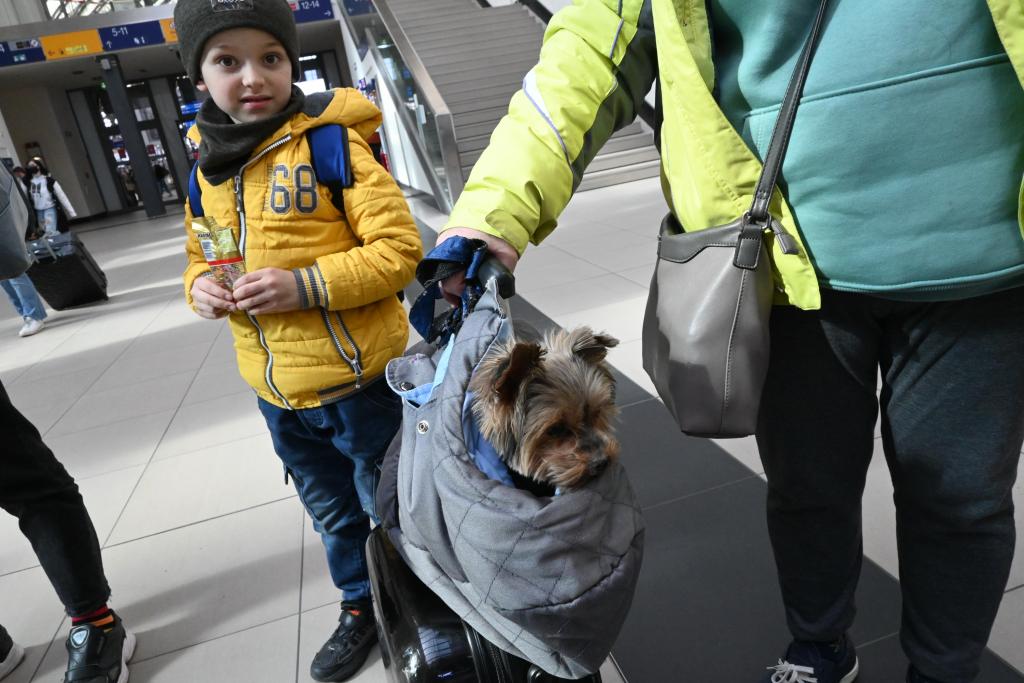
[(474, 580)]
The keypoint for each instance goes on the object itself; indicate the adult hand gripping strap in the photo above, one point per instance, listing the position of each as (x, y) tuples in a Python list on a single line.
[(449, 258)]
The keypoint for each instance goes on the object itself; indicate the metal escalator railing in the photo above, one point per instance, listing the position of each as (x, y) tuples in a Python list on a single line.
[(422, 111)]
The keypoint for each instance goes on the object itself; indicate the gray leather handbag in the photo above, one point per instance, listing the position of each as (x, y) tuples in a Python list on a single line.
[(705, 333)]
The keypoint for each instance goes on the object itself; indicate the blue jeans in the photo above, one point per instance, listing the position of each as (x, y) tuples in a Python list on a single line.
[(952, 417), (24, 296), (48, 221), (333, 455)]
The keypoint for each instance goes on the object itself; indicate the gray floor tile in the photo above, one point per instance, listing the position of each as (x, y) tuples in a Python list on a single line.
[(216, 381), (884, 662), (707, 607), (215, 481), (585, 294), (263, 654), (135, 366), (192, 585), (664, 464), (110, 447), (212, 422), (113, 405)]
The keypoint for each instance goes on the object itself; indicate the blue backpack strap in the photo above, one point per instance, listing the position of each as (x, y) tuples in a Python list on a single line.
[(195, 195), (328, 147)]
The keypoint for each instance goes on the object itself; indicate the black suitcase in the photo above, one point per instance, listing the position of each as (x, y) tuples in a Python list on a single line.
[(65, 273), (423, 641)]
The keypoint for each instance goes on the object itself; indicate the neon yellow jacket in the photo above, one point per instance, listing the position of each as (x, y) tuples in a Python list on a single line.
[(598, 61), (350, 266)]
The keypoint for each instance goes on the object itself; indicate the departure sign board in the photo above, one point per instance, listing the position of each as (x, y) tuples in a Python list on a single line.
[(170, 33), (311, 10), (23, 51), (131, 35), (125, 36), (74, 44)]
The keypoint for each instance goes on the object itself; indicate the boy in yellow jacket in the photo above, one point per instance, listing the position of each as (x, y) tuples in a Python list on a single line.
[(315, 316)]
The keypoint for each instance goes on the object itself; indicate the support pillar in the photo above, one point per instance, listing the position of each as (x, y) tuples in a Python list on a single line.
[(145, 179)]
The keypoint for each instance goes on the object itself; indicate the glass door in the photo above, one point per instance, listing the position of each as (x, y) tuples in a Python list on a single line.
[(149, 128)]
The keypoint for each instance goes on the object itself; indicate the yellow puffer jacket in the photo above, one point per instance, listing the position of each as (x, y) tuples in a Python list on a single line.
[(350, 267)]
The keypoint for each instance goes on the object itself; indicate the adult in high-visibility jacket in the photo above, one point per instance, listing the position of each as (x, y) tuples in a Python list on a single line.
[(902, 184)]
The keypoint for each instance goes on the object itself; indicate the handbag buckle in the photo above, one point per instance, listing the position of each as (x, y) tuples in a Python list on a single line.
[(787, 245)]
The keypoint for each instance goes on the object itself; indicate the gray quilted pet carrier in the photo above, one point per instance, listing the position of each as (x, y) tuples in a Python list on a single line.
[(546, 578)]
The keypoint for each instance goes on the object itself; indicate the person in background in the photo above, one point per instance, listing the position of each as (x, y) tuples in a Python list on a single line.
[(27, 302), (20, 290), (35, 488), (161, 173), (47, 197)]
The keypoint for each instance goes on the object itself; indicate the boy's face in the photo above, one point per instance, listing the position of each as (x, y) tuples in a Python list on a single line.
[(247, 73)]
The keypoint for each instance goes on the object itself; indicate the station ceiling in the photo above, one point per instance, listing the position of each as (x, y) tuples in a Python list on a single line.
[(65, 9), (141, 63)]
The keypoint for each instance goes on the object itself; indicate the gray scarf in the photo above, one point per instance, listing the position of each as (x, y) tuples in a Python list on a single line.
[(227, 145)]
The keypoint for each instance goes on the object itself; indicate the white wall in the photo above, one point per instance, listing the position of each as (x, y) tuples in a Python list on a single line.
[(43, 115), (14, 12)]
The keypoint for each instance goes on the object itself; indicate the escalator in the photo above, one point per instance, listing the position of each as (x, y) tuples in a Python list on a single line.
[(459, 64)]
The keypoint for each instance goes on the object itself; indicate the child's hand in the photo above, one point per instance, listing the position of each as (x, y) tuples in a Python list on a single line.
[(210, 300), (268, 290)]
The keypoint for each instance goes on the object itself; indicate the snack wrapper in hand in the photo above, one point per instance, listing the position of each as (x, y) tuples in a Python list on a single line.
[(220, 250)]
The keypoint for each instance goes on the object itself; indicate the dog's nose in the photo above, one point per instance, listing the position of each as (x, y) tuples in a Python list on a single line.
[(592, 444)]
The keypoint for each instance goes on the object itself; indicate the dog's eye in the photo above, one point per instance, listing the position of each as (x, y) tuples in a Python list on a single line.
[(558, 431)]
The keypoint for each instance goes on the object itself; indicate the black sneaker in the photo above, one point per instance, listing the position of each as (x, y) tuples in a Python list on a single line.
[(807, 662), (10, 653), (346, 650), (95, 656)]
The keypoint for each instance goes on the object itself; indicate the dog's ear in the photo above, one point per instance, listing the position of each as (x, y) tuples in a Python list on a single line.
[(589, 346), (523, 359)]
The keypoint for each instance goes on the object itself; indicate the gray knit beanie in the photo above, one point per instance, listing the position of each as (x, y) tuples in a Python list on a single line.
[(196, 21)]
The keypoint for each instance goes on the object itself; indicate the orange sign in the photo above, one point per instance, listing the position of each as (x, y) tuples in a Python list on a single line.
[(170, 33), (75, 44)]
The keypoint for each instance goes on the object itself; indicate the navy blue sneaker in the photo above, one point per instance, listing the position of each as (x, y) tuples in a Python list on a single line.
[(807, 662)]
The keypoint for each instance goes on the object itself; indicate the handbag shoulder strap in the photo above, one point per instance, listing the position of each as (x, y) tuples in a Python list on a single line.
[(784, 125)]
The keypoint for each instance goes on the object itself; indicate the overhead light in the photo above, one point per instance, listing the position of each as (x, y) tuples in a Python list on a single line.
[(307, 58)]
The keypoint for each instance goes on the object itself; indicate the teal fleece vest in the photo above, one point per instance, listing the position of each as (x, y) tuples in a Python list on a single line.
[(907, 154)]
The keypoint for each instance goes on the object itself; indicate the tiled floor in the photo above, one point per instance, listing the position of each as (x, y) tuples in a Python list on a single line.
[(214, 564)]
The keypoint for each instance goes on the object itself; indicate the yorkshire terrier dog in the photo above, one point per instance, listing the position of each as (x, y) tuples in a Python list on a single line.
[(548, 408)]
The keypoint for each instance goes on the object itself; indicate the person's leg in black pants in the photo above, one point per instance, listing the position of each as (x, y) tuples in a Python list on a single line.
[(816, 436), (952, 427), (35, 488), (952, 424)]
